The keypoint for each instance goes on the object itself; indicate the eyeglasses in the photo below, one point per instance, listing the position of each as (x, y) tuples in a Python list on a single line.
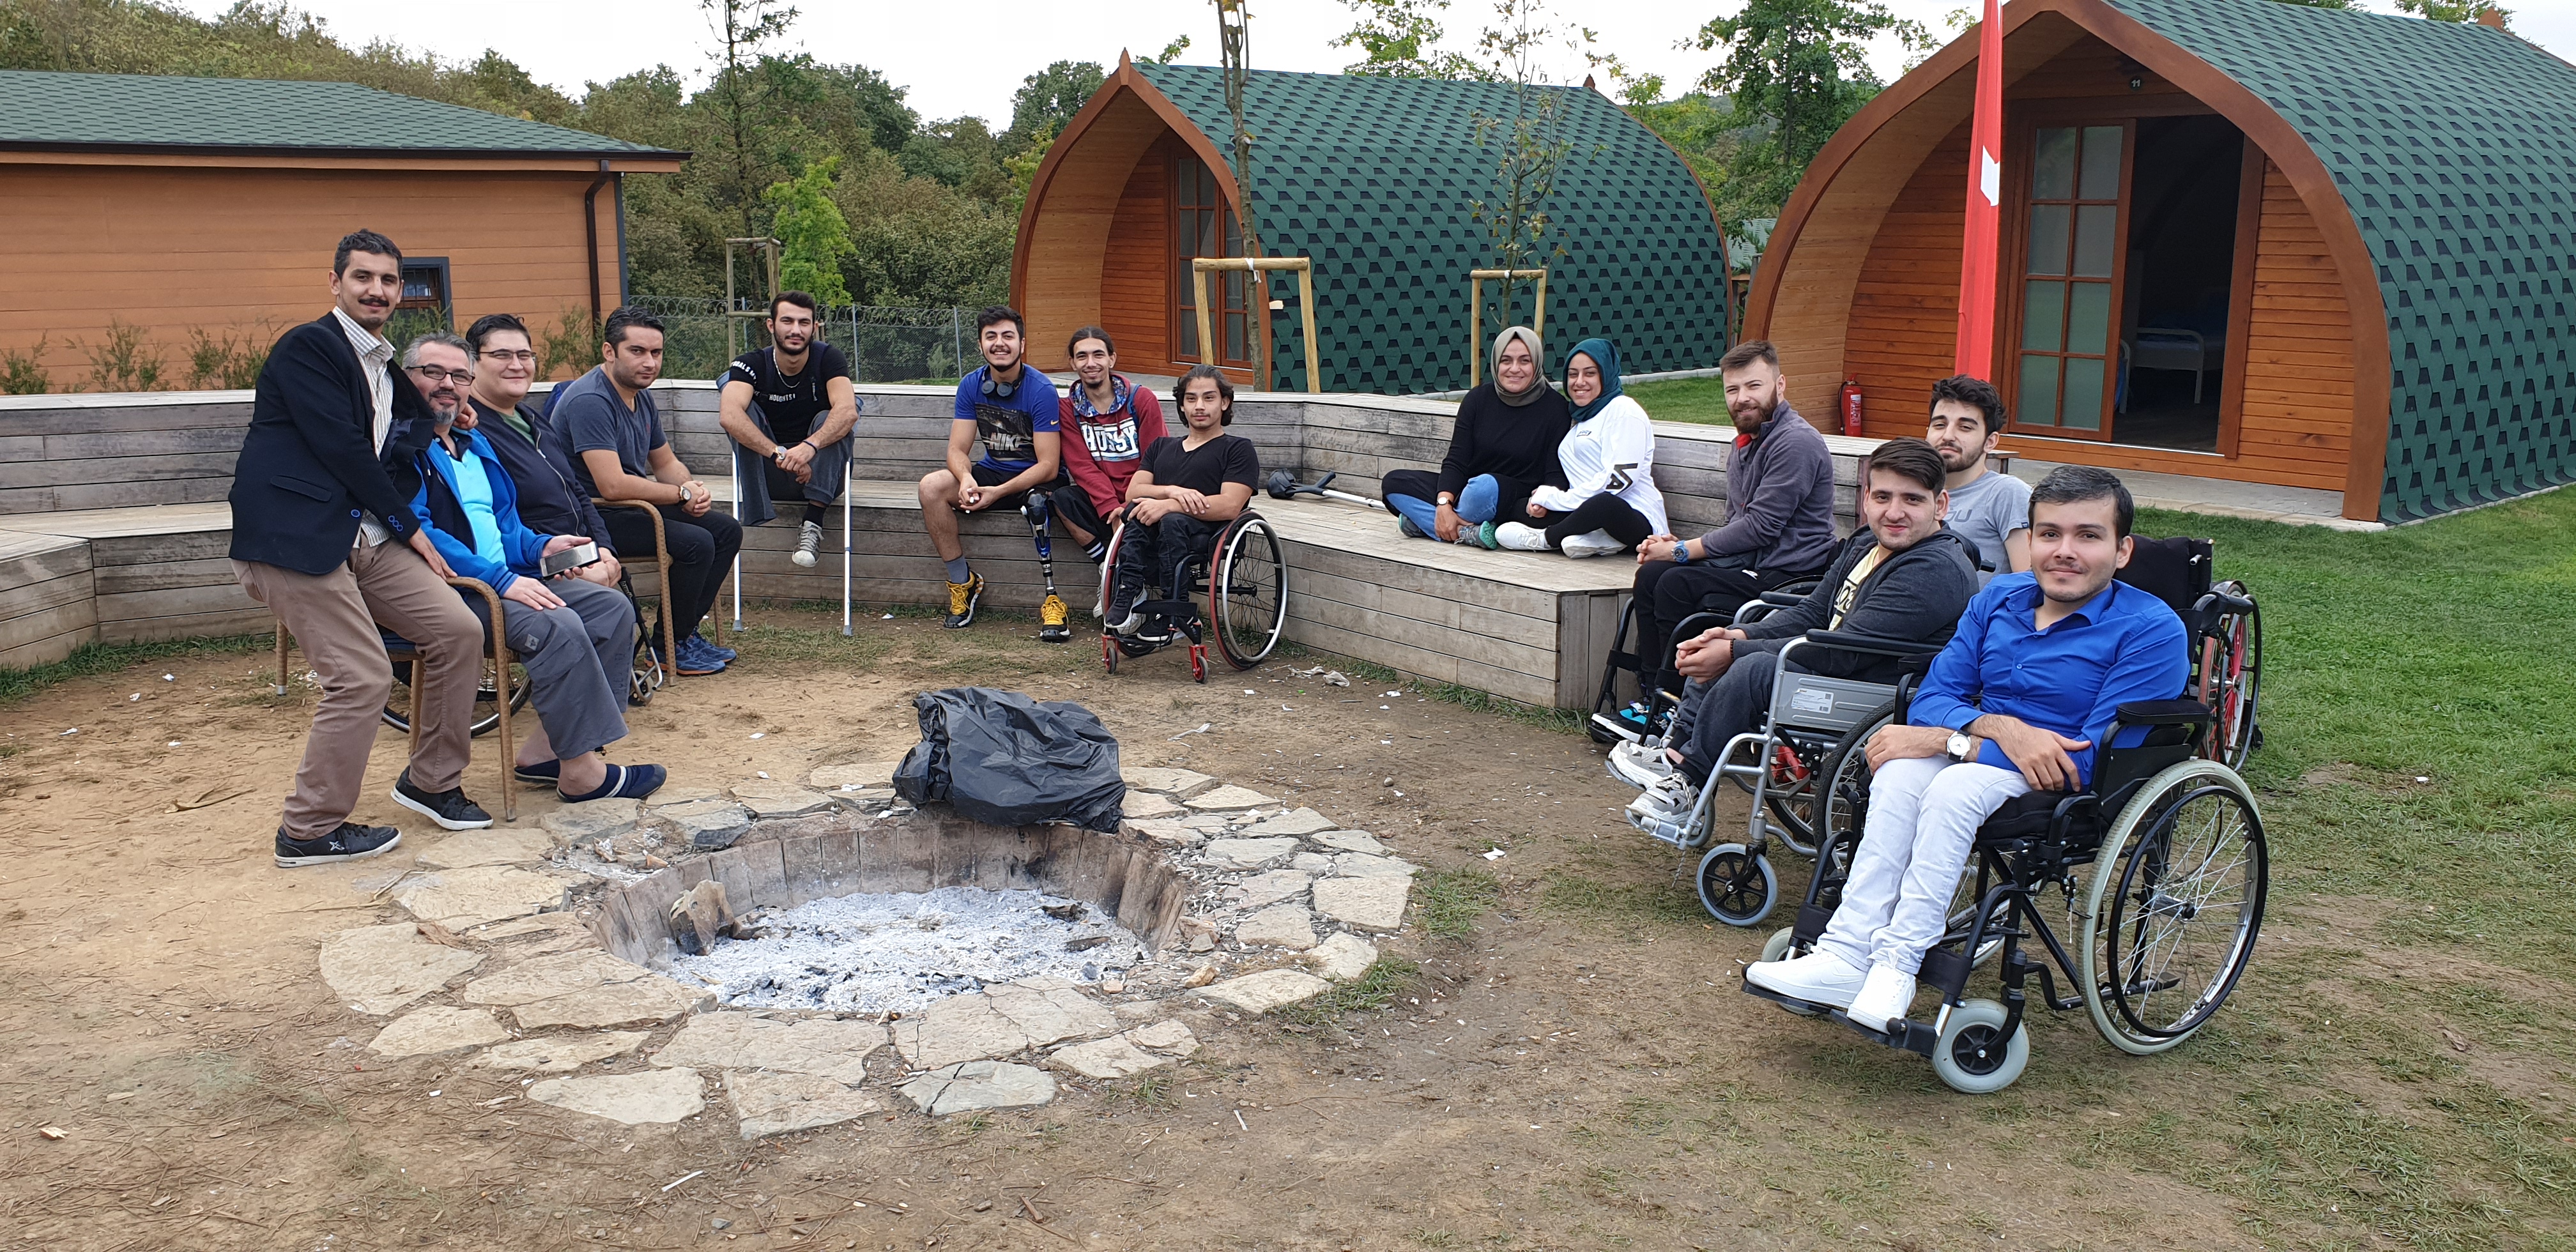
[(437, 374), (522, 356)]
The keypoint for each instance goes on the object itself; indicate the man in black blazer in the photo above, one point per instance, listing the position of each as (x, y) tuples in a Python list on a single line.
[(323, 532)]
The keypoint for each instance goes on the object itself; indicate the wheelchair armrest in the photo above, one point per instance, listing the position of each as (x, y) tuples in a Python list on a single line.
[(2164, 713), (1875, 645), (1783, 599)]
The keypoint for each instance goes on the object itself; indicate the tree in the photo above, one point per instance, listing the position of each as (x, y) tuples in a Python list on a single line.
[(1397, 39), (2454, 10), (742, 29), (1530, 143), (1796, 70), (814, 234), (1048, 99)]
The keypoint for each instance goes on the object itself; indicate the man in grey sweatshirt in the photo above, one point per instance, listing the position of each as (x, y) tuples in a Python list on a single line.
[(1779, 523), (1903, 576)]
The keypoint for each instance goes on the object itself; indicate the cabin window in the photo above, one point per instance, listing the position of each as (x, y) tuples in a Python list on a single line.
[(1204, 227), (424, 281), (2069, 271)]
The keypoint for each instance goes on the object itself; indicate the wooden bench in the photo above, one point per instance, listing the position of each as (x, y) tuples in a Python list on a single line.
[(155, 572)]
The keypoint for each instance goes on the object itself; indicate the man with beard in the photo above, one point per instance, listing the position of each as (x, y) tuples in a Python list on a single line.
[(1990, 510), (323, 534), (1779, 528), (576, 638), (2018, 702), (790, 406)]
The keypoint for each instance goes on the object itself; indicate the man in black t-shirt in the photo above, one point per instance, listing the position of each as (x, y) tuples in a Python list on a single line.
[(1188, 487), (790, 408)]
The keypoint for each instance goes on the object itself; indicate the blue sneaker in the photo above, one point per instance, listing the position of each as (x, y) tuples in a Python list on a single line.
[(696, 658), (718, 651)]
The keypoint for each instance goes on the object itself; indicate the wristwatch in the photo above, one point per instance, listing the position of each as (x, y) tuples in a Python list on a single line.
[(1962, 745), (1681, 552)]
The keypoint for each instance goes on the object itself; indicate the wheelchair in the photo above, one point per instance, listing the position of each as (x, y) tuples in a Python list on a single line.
[(1245, 575), (1606, 727), (1815, 731), (2163, 924), (2226, 627)]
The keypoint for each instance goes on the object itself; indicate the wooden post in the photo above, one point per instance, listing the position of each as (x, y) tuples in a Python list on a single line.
[(1201, 267), (1476, 313)]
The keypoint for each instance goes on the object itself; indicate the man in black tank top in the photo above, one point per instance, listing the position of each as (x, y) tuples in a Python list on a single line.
[(789, 407)]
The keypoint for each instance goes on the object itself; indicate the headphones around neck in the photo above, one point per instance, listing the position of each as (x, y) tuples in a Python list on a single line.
[(1000, 390)]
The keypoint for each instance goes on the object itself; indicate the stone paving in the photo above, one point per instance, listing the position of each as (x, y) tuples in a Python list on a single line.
[(500, 960)]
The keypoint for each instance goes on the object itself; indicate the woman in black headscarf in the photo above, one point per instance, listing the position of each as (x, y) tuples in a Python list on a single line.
[(1502, 448)]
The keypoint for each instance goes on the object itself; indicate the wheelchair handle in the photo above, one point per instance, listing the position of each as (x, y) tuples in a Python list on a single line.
[(2238, 605)]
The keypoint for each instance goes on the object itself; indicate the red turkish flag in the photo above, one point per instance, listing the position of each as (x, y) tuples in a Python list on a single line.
[(1982, 241)]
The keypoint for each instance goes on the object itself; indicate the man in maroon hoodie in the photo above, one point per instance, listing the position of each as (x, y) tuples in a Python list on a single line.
[(1107, 424)]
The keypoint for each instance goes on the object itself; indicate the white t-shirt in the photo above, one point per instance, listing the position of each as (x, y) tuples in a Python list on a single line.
[(1986, 512)]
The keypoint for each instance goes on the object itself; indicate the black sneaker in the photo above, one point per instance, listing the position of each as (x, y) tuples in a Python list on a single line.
[(448, 808), (351, 842), (1122, 617)]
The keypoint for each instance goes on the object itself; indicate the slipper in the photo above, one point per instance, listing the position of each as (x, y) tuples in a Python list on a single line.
[(541, 774), (624, 782)]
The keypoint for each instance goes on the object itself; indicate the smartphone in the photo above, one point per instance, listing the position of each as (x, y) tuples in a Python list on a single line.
[(574, 557)]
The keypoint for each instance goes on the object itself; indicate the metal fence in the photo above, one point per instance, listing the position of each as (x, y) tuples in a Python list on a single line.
[(885, 344)]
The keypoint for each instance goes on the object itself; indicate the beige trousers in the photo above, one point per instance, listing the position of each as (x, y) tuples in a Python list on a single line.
[(334, 618)]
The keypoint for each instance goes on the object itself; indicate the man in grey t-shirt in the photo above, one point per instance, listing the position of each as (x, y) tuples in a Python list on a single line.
[(1990, 510)]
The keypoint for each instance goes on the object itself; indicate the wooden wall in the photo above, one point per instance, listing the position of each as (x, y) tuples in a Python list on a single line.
[(2296, 421), (1066, 228), (247, 251), (1905, 306), (1136, 275)]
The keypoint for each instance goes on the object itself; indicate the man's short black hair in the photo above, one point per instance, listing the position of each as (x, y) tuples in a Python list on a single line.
[(363, 240), (628, 317), (2073, 484), (1087, 332), (489, 324), (797, 298), (1976, 393), (1224, 391), (998, 314), (1747, 352), (1908, 458)]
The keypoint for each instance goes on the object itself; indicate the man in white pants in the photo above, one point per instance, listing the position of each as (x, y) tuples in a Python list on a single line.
[(2049, 656)]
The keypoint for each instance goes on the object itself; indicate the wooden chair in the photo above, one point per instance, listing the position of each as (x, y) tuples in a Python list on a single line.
[(662, 588), (401, 652)]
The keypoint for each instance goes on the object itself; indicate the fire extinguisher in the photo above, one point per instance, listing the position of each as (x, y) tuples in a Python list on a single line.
[(1849, 399)]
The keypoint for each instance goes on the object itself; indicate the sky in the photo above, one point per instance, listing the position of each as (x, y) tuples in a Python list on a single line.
[(967, 60)]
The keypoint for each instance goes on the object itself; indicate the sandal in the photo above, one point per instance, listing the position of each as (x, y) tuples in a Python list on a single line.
[(624, 782)]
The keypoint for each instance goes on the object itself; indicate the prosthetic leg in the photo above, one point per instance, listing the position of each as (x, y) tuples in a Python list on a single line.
[(1051, 613)]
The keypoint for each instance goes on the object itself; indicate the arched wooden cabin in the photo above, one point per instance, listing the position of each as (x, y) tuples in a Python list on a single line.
[(1376, 180), (2352, 235)]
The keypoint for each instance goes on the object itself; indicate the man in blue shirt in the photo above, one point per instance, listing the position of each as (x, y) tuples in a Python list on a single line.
[(1010, 408), (2051, 655), (576, 638)]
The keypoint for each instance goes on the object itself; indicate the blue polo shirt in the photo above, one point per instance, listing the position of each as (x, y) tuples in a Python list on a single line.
[(1009, 423), (2123, 646)]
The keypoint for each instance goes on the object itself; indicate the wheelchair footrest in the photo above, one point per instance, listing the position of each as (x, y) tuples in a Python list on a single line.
[(1916, 1037)]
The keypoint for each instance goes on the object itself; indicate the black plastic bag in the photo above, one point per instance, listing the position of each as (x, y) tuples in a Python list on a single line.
[(1004, 759)]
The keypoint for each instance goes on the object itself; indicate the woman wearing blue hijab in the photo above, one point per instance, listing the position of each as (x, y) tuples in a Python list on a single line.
[(1610, 503)]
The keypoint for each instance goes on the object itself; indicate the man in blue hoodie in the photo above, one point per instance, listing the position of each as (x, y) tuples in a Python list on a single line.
[(576, 638)]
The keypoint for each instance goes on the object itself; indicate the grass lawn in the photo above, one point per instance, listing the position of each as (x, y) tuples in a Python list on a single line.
[(1684, 400)]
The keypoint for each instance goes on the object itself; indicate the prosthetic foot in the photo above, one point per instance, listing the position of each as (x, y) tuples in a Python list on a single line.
[(1051, 611)]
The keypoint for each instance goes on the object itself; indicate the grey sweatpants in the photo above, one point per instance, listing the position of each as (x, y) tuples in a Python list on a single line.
[(1713, 712), (580, 660)]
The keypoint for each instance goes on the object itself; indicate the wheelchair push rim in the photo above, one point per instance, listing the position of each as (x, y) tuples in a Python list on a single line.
[(2174, 909), (1248, 592), (2230, 681)]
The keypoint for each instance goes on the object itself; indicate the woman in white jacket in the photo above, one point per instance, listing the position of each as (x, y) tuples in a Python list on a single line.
[(1610, 503)]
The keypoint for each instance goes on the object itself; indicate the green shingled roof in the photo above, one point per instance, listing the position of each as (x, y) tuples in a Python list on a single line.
[(1372, 177), (42, 109), (2454, 146)]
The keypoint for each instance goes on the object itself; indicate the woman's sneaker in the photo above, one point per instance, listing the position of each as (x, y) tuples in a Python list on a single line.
[(809, 542), (1640, 764), (1404, 526), (1598, 543), (1521, 538)]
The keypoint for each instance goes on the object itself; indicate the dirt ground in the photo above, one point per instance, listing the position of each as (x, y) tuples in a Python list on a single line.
[(1580, 1071)]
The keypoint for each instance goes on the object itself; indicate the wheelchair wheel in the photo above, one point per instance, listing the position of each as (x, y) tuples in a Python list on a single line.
[(1248, 592), (2176, 903), (2231, 669), (487, 698), (1737, 887), (1108, 654), (1837, 796), (1972, 1054)]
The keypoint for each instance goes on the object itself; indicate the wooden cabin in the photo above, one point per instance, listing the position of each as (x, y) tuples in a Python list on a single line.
[(1375, 180), (187, 207), (2241, 240)]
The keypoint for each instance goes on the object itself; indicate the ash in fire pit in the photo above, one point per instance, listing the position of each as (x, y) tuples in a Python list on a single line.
[(898, 952)]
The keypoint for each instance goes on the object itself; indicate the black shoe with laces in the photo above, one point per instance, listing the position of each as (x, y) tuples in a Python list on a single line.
[(448, 808), (351, 842)]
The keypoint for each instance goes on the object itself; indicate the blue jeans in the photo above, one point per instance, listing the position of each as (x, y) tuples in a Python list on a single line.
[(1475, 504)]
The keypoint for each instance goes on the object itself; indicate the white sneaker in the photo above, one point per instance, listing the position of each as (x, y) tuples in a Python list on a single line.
[(809, 540), (1598, 543), (1099, 606), (1883, 998), (1639, 765), (1668, 800), (1521, 538), (1818, 978)]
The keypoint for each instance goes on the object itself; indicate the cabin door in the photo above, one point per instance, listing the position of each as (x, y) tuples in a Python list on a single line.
[(2073, 204), (1204, 226)]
